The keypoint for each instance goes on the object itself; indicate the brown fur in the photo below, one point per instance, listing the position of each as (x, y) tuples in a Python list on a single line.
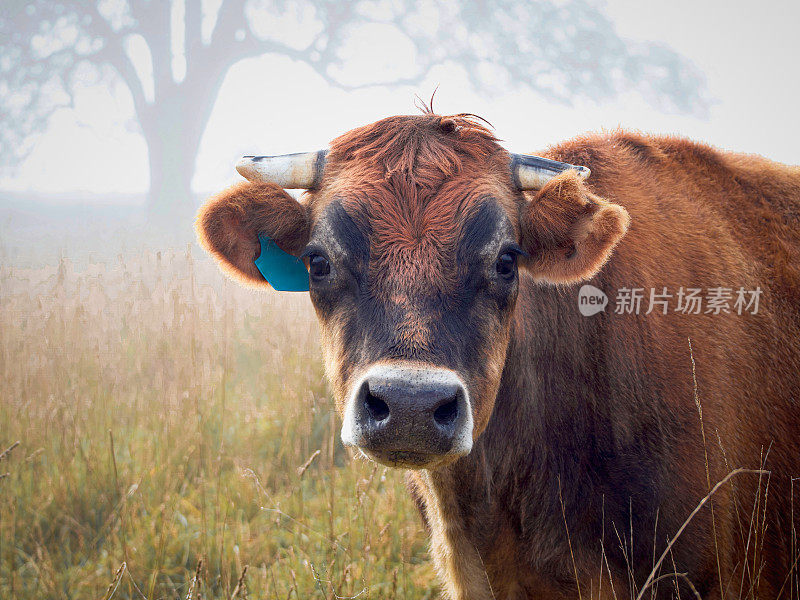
[(588, 452), (413, 180)]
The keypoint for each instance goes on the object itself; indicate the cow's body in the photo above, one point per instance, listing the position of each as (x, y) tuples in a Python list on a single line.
[(596, 421), (592, 437)]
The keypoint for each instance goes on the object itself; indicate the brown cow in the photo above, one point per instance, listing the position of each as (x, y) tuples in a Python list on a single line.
[(554, 454)]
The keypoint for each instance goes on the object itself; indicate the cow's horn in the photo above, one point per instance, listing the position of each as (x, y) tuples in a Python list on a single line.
[(292, 171), (532, 172)]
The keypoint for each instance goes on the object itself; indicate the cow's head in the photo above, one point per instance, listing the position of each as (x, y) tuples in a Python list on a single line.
[(415, 232)]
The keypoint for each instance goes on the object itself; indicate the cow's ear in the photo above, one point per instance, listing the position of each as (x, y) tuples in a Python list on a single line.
[(568, 231), (228, 226)]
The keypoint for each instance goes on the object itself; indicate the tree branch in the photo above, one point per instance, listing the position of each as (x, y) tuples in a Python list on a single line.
[(113, 51), (193, 34), (153, 24)]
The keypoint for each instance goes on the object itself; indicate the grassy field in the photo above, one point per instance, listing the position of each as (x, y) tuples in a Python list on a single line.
[(166, 433), (176, 437)]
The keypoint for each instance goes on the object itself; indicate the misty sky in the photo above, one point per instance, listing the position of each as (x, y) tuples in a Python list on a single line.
[(272, 105)]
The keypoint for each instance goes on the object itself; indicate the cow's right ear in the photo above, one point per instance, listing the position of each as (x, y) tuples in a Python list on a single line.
[(228, 226)]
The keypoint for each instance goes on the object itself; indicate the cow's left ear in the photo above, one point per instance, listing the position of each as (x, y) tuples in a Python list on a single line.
[(568, 231)]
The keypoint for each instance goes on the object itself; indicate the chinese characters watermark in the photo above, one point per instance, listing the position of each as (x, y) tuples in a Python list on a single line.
[(684, 300)]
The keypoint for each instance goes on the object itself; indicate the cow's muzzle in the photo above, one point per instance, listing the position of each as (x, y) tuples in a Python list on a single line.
[(407, 415)]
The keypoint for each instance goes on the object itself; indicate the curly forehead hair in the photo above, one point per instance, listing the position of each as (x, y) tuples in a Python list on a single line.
[(423, 149), (410, 181)]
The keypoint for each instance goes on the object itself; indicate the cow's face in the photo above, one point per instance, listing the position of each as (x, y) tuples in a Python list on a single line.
[(415, 290), (415, 243)]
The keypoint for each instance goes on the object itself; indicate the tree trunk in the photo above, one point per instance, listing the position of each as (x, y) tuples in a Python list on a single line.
[(172, 133)]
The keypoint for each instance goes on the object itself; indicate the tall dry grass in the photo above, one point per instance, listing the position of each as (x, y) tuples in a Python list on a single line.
[(176, 438), (165, 433)]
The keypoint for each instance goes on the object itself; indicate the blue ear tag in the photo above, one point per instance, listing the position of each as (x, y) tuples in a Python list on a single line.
[(282, 271)]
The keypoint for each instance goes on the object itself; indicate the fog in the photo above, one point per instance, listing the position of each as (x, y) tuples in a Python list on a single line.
[(168, 433), (83, 127)]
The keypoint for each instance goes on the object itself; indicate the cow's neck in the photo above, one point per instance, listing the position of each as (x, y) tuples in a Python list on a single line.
[(514, 490), (455, 553)]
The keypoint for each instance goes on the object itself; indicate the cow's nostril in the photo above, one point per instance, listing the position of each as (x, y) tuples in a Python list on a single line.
[(447, 413), (377, 408)]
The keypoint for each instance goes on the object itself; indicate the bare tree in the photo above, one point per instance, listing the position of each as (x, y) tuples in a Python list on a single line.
[(563, 49)]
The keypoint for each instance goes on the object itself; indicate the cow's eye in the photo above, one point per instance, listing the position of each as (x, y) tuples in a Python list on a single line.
[(318, 266), (507, 265)]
